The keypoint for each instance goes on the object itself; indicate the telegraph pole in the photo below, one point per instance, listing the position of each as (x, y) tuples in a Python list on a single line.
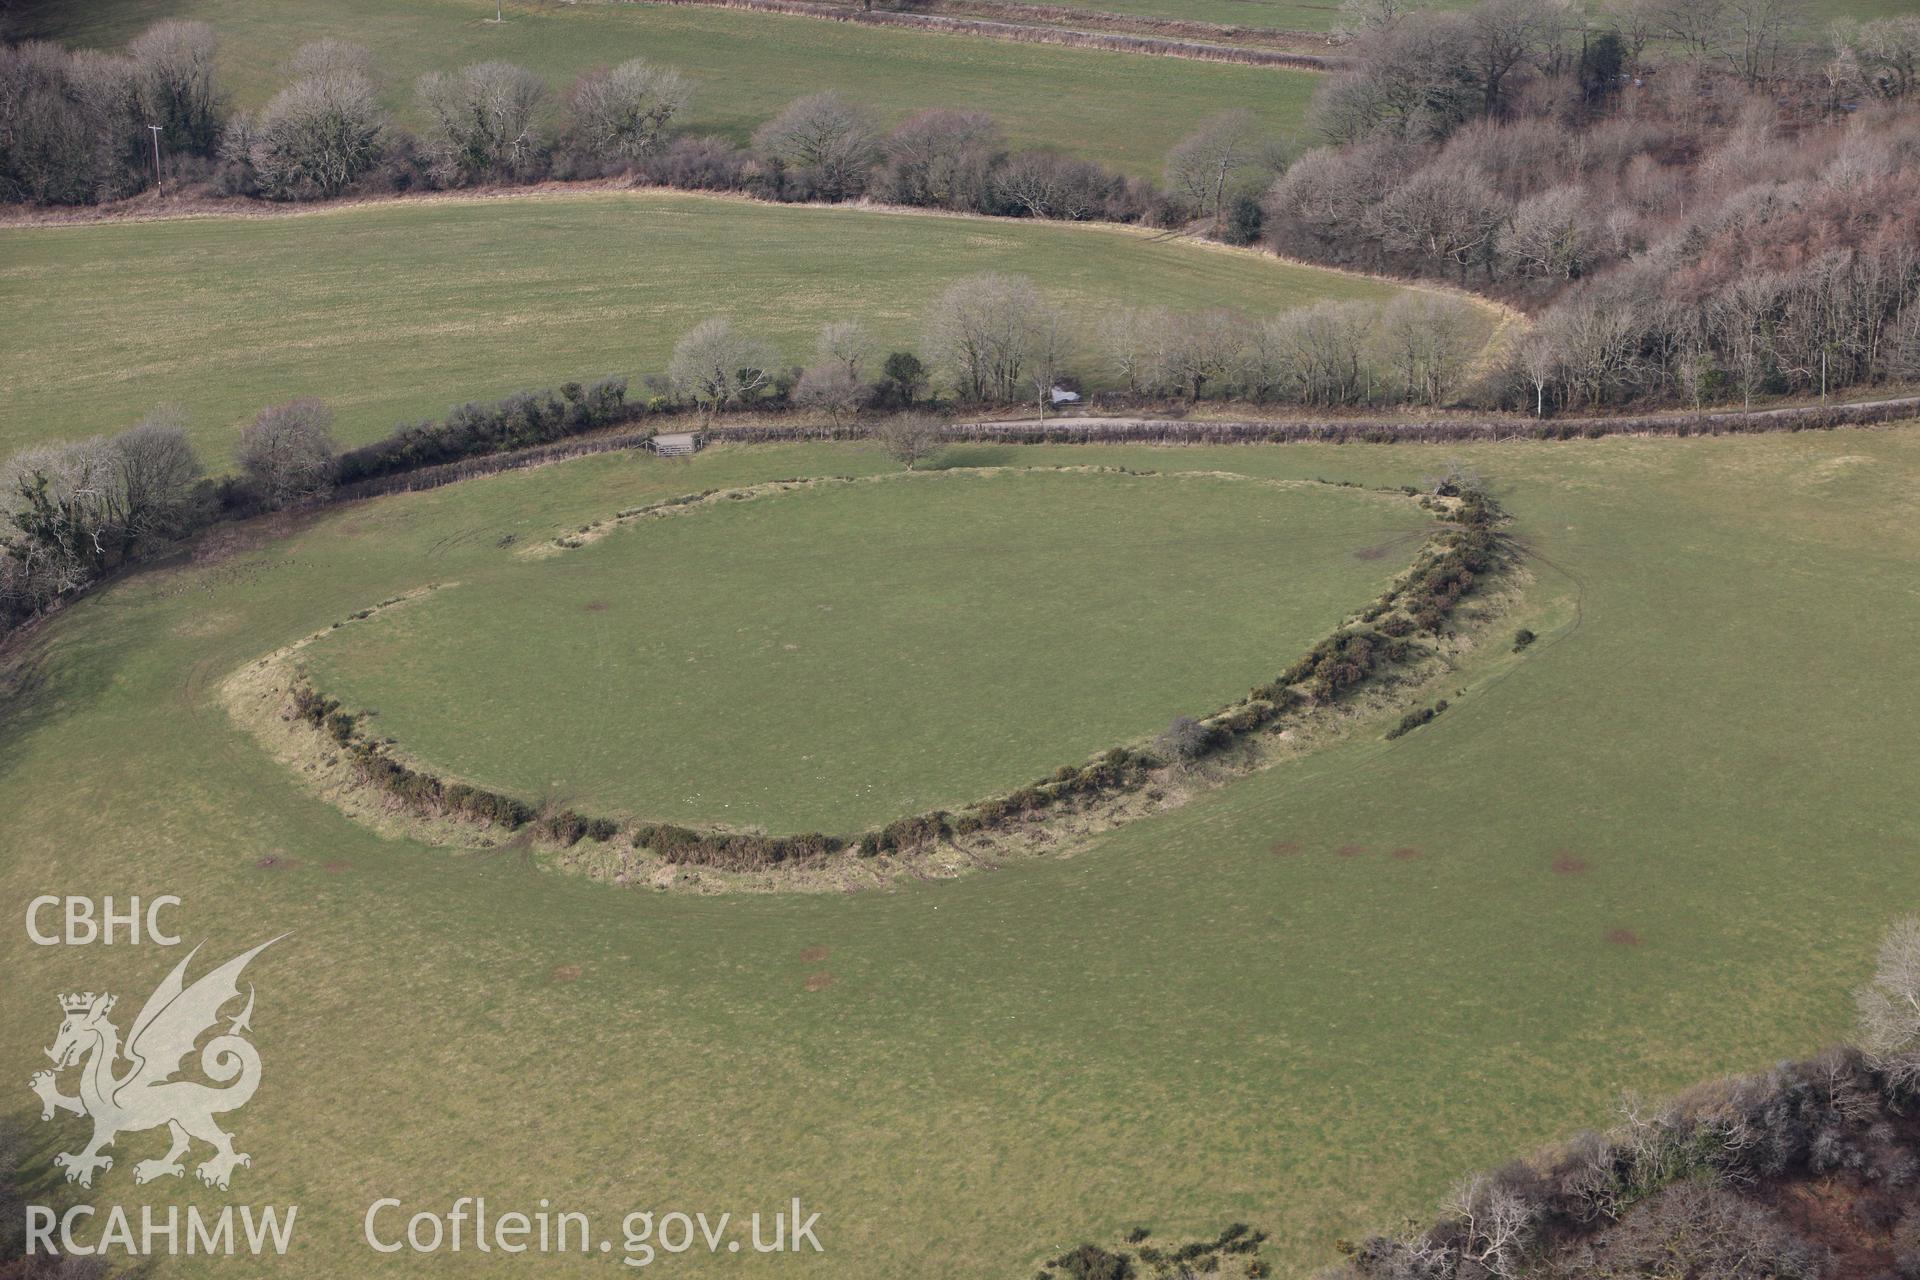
[(156, 155)]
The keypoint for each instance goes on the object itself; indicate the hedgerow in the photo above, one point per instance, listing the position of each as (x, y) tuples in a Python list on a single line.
[(522, 420), (1701, 1179)]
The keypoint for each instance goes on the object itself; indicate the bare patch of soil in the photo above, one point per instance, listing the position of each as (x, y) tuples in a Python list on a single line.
[(596, 606), (820, 981), (1567, 864), (565, 973), (814, 955), (1623, 937), (1405, 853), (1284, 848)]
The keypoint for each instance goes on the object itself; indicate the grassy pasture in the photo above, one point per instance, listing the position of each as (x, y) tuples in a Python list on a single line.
[(394, 312), (751, 63), (1310, 999), (1323, 15), (1124, 110), (874, 649)]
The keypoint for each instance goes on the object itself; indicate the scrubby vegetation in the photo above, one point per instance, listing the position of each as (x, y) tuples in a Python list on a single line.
[(476, 429), (1700, 209), (1234, 1254), (71, 514), (1808, 1171)]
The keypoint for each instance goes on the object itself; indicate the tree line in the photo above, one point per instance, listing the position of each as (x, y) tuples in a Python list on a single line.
[(1699, 202), (71, 514), (73, 131)]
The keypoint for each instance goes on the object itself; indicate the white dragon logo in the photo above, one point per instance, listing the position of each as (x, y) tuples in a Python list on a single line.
[(146, 1095)]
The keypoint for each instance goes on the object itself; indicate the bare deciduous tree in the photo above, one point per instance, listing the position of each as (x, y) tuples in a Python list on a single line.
[(1552, 237), (178, 91), (1597, 343), (481, 120), (1361, 18), (1889, 1005), (1881, 57), (845, 343), (831, 389), (715, 365), (1759, 39), (287, 451), (825, 133), (1506, 35), (67, 128), (1047, 348), (1329, 191), (318, 134), (837, 381), (908, 438), (1321, 352), (620, 115), (1049, 184), (157, 470), (1444, 213), (53, 525), (942, 158), (1129, 342), (1429, 342), (1537, 362), (983, 332), (331, 56), (1224, 157), (1415, 79), (1739, 316), (1498, 1224), (1198, 349)]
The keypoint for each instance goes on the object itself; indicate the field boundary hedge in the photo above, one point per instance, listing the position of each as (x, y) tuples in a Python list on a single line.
[(1065, 37), (1464, 552), (1374, 430), (1175, 431), (1125, 23)]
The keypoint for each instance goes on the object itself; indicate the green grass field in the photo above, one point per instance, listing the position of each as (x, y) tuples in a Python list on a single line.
[(750, 61), (1323, 15), (482, 297), (1124, 110), (1176, 1026), (874, 649)]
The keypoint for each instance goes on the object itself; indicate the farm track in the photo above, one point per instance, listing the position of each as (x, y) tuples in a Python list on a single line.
[(1403, 430)]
